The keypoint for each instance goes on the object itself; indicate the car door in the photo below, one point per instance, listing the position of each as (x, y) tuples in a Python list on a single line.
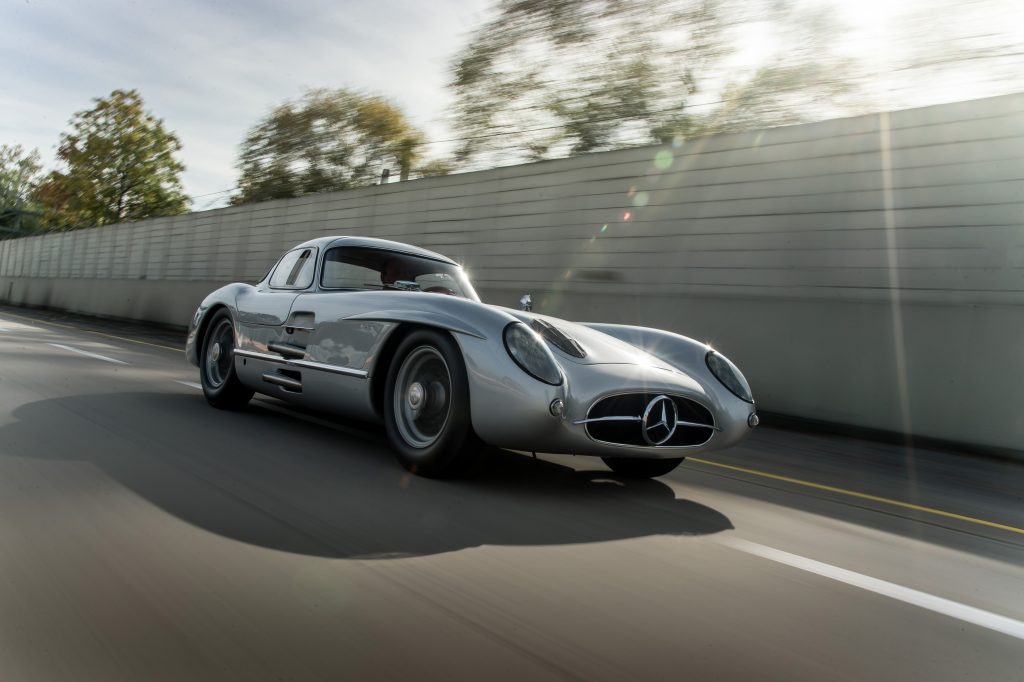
[(336, 353), (264, 313)]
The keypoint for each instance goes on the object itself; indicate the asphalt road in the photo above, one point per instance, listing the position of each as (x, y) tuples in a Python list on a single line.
[(147, 536)]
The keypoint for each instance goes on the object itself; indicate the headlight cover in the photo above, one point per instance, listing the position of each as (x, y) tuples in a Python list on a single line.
[(730, 375), (528, 351)]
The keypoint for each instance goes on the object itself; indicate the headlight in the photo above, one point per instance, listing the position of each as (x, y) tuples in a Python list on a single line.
[(530, 353), (729, 375)]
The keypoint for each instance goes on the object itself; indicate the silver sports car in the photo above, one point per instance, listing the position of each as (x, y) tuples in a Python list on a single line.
[(383, 331)]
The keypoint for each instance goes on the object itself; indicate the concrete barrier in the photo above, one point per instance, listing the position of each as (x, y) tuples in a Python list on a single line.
[(866, 271)]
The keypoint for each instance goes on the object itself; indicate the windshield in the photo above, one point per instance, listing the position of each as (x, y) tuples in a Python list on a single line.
[(347, 267)]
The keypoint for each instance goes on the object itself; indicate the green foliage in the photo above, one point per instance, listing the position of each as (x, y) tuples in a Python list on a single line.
[(19, 175), (435, 168), (562, 77), (800, 79), (119, 166), (328, 140), (548, 79)]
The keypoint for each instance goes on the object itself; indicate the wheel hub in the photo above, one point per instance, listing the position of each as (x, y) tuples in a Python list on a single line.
[(215, 352), (415, 395)]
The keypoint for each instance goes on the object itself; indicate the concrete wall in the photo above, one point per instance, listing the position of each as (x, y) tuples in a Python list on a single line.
[(867, 271)]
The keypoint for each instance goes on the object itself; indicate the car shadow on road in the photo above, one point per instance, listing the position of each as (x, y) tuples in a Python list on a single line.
[(295, 483)]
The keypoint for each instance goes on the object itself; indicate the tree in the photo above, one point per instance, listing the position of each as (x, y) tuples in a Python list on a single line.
[(119, 165), (550, 78), (19, 176), (802, 78), (435, 168), (328, 140), (562, 77), (557, 77)]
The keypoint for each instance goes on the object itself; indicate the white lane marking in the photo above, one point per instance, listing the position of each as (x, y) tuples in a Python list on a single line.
[(969, 614), (190, 384), (88, 354)]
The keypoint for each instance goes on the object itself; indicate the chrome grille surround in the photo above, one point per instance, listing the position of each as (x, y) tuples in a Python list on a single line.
[(646, 420)]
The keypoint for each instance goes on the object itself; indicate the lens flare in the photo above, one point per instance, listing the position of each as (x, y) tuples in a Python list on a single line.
[(663, 160), (641, 199)]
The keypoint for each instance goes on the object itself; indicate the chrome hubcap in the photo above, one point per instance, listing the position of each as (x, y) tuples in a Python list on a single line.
[(422, 397), (219, 354), (415, 395)]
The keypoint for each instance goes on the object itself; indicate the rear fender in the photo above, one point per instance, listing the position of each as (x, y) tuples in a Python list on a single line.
[(225, 297)]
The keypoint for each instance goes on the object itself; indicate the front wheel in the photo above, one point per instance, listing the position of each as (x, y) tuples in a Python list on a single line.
[(641, 468), (426, 406), (221, 385)]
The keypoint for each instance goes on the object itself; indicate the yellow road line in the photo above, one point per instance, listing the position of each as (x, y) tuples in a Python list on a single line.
[(90, 331), (863, 496)]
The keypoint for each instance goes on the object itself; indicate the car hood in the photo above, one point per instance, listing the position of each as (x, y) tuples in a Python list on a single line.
[(598, 347)]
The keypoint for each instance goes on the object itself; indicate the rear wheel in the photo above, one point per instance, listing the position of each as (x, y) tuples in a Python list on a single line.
[(426, 406), (221, 385), (641, 468)]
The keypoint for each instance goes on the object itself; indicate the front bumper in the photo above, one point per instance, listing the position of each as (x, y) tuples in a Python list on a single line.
[(512, 410)]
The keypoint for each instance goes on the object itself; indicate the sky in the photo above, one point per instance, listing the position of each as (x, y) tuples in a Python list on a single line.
[(211, 70)]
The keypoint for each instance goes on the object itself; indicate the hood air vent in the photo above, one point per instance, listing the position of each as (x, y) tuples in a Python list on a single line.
[(557, 338)]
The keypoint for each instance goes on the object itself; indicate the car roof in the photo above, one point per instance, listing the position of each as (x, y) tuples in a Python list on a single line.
[(374, 243)]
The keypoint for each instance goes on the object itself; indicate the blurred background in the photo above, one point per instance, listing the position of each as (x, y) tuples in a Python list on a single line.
[(244, 102)]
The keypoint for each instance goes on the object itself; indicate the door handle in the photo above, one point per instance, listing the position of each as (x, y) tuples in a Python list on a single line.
[(300, 320)]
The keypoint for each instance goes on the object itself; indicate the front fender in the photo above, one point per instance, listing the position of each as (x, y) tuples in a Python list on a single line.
[(681, 352), (427, 318)]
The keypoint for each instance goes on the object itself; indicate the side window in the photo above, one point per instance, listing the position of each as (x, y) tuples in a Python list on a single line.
[(339, 274), (295, 271)]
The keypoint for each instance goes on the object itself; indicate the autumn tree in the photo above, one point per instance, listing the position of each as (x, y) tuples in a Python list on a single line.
[(19, 176), (553, 78), (800, 76), (325, 141), (560, 77), (119, 164)]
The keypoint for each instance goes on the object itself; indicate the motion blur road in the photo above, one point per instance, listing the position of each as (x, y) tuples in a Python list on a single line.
[(147, 536)]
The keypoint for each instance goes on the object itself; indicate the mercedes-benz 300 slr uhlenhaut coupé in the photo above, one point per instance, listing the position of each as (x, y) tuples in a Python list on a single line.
[(386, 332)]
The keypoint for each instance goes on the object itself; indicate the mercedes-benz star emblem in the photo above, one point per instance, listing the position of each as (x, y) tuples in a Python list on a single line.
[(659, 420)]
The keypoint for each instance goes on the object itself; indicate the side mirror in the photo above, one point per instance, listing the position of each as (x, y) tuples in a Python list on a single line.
[(526, 303)]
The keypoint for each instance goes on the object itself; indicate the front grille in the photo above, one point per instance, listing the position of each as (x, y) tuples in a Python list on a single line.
[(631, 431)]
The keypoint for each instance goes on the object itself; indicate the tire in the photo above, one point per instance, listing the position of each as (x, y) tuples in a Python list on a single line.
[(641, 468), (221, 385), (426, 407)]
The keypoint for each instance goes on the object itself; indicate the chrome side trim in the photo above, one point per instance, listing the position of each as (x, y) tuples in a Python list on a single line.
[(304, 364), (260, 356), (333, 369)]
